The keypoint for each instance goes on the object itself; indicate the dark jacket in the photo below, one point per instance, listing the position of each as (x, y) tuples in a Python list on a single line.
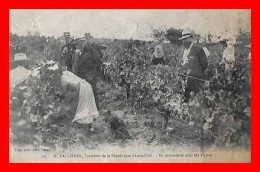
[(195, 67), (97, 48), (156, 61), (67, 55), (197, 62), (87, 64)]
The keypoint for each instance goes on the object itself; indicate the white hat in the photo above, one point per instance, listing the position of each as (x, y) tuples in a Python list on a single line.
[(185, 34), (158, 53), (20, 57)]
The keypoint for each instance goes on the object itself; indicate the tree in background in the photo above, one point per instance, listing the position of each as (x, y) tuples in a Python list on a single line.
[(162, 33), (173, 35), (159, 34)]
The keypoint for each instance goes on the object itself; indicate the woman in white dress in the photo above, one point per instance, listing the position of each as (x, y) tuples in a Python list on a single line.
[(78, 90)]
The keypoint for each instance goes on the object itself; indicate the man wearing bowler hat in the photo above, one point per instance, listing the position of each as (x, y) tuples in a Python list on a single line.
[(88, 37), (192, 64)]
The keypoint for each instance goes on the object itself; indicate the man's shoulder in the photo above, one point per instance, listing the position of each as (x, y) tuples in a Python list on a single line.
[(97, 47), (88, 48), (90, 51), (94, 45), (197, 47)]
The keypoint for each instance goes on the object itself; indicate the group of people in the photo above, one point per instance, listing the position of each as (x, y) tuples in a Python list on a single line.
[(81, 60), (80, 64), (192, 62), (193, 59)]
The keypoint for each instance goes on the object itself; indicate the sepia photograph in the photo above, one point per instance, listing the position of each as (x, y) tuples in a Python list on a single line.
[(130, 85)]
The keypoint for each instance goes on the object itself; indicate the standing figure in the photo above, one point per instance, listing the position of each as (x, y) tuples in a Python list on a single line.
[(67, 52), (87, 65), (192, 64), (158, 55), (229, 56), (89, 41)]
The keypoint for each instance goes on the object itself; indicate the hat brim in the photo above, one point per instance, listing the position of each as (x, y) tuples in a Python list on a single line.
[(20, 60), (15, 62), (184, 37)]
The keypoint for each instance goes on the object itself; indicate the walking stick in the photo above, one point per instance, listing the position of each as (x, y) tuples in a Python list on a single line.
[(194, 77)]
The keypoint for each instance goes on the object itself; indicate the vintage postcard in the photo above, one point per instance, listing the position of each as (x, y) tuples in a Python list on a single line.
[(137, 86)]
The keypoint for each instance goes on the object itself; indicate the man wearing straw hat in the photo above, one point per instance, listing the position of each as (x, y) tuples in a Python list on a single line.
[(68, 51), (192, 64)]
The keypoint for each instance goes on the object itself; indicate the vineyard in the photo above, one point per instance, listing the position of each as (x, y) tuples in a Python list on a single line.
[(147, 97)]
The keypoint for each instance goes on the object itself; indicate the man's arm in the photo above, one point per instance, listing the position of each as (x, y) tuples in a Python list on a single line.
[(75, 67), (179, 56), (62, 58)]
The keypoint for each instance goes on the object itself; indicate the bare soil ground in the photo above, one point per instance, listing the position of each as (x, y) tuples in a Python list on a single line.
[(144, 125)]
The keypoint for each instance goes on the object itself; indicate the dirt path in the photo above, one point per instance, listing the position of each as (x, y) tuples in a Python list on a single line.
[(143, 125)]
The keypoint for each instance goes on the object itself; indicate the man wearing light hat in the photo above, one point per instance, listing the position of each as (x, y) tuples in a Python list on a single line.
[(192, 64), (19, 73)]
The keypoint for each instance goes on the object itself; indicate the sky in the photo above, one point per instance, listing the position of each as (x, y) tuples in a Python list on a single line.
[(125, 24)]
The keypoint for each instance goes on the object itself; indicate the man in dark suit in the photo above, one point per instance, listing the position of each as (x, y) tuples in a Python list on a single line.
[(88, 37), (67, 51), (192, 64), (87, 65)]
